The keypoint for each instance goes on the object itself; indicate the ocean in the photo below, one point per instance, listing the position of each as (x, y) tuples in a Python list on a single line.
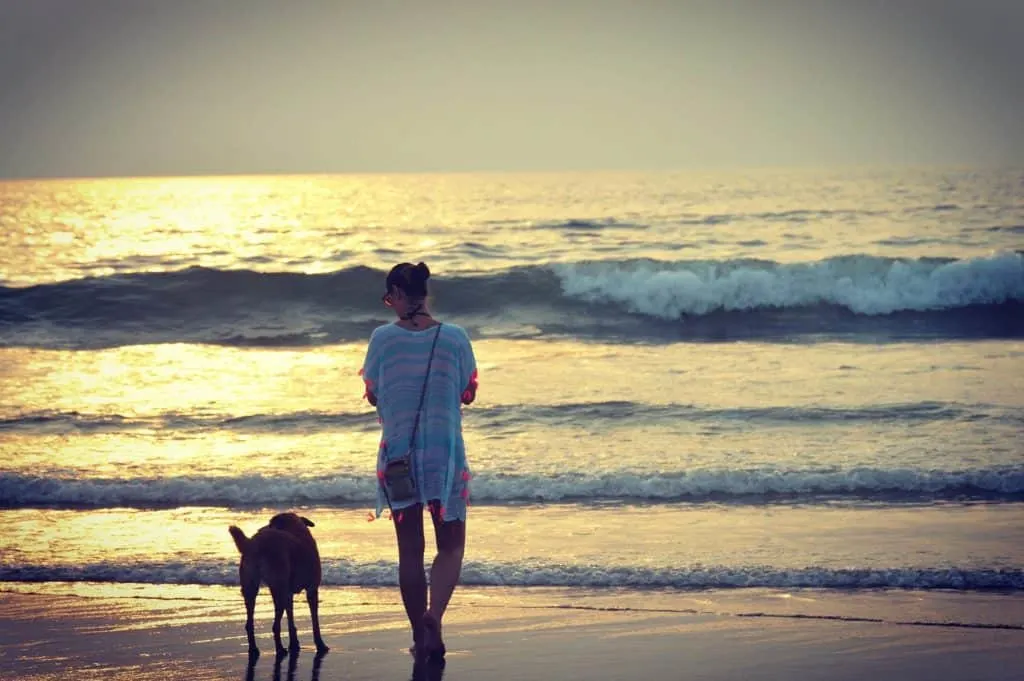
[(772, 380)]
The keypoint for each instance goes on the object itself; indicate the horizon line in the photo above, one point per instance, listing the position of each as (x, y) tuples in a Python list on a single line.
[(806, 167)]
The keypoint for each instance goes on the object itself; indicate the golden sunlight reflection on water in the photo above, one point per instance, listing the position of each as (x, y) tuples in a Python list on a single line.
[(193, 545), (153, 380), (192, 410), (64, 229), (55, 230), (149, 380)]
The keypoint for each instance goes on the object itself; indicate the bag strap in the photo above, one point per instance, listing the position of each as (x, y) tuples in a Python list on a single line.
[(423, 392)]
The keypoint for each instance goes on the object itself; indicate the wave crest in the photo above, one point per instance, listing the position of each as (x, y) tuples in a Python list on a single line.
[(637, 300), (736, 486), (342, 572), (864, 285), (500, 417)]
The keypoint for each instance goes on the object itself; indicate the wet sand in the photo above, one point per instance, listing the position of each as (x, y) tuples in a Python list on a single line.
[(499, 634)]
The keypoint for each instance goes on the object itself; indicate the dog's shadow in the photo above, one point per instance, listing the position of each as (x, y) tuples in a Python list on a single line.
[(293, 663)]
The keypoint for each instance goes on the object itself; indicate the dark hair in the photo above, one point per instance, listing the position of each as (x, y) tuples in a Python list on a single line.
[(411, 279)]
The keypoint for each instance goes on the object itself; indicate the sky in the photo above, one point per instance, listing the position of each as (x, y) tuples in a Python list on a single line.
[(195, 87)]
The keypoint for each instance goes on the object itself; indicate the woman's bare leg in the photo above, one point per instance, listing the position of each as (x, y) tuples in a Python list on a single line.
[(445, 571), (411, 579)]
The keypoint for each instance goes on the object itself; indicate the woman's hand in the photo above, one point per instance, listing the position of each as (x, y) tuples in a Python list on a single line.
[(469, 394)]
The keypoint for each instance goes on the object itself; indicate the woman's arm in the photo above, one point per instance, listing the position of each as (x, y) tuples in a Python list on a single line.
[(371, 369), (469, 394), (467, 363)]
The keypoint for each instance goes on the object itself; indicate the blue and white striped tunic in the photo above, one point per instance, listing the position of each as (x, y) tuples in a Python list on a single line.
[(394, 369)]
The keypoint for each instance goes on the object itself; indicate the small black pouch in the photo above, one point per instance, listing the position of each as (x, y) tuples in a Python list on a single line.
[(400, 480)]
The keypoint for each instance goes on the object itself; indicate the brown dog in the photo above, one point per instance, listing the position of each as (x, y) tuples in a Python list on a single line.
[(284, 556)]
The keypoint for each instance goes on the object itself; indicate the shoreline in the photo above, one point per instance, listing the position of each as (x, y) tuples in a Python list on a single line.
[(181, 633)]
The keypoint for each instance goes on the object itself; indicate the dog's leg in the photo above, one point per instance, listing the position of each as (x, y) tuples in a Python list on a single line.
[(313, 598), (293, 633), (249, 594), (279, 606)]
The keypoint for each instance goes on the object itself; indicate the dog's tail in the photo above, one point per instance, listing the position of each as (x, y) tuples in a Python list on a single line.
[(241, 541)]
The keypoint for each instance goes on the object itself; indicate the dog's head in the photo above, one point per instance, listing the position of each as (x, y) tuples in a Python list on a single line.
[(291, 523)]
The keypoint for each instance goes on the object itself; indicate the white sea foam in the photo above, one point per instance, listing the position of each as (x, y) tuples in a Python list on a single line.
[(748, 486), (863, 284), (338, 572)]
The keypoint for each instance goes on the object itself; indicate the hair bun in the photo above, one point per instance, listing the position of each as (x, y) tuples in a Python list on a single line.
[(421, 271)]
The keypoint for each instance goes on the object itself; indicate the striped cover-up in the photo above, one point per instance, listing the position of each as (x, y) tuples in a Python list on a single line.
[(394, 369)]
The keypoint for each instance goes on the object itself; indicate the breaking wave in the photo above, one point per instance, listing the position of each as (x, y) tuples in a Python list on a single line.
[(626, 300), (746, 486)]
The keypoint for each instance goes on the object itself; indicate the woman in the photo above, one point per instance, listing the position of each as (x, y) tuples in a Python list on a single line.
[(397, 383)]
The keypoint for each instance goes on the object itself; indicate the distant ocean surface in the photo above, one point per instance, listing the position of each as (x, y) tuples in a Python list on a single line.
[(771, 379)]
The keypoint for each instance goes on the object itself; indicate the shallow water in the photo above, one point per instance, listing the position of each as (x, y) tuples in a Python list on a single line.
[(760, 380)]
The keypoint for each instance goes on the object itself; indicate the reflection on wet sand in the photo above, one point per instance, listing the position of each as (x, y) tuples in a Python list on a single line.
[(422, 670), (293, 663)]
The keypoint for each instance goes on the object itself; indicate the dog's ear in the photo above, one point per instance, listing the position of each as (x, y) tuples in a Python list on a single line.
[(307, 521)]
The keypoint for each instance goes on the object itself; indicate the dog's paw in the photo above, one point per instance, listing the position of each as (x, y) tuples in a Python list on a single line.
[(322, 648), (254, 654), (282, 652)]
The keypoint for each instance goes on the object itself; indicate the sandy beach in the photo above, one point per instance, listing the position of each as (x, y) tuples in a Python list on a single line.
[(111, 633)]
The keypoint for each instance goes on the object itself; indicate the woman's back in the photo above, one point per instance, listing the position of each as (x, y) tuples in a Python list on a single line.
[(394, 371)]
